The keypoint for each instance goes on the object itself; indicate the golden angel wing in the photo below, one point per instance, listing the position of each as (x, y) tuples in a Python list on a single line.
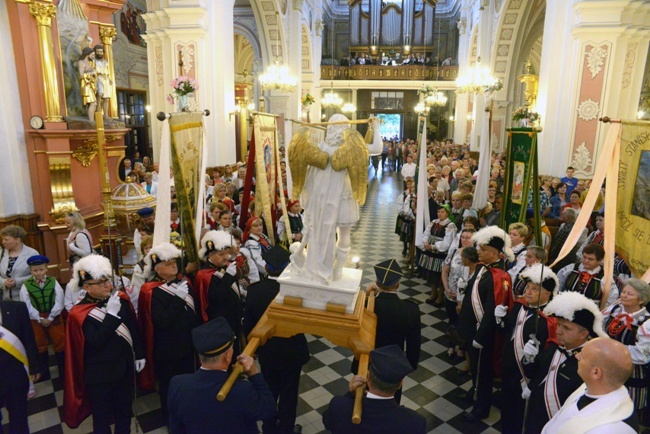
[(353, 156), (303, 153)]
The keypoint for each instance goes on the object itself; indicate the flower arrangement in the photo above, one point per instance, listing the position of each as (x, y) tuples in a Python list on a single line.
[(183, 85), (494, 87), (307, 100), (524, 113), (425, 90)]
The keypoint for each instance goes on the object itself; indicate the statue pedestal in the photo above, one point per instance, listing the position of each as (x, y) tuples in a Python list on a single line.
[(315, 295)]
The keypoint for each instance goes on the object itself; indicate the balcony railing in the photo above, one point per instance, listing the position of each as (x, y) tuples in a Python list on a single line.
[(381, 72)]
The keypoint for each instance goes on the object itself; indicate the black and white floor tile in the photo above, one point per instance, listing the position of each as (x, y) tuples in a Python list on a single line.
[(433, 390)]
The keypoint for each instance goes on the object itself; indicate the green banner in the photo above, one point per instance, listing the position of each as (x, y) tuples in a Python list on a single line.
[(521, 176)]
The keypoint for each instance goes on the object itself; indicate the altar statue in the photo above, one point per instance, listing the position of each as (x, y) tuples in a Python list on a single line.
[(88, 81), (331, 181), (104, 82)]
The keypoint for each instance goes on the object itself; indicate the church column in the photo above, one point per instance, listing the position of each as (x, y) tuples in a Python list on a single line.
[(462, 100), (15, 196), (606, 81), (107, 33), (44, 14), (483, 53)]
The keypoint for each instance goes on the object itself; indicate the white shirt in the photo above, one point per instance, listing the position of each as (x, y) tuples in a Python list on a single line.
[(408, 170)]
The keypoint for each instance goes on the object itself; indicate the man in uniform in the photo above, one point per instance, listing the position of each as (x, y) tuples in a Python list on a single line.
[(18, 361), (489, 287), (281, 359), (602, 404), (167, 316), (398, 321), (215, 252), (193, 407), (520, 325), (381, 412), (102, 351), (554, 372)]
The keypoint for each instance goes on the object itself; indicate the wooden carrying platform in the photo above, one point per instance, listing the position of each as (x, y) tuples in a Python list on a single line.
[(355, 331)]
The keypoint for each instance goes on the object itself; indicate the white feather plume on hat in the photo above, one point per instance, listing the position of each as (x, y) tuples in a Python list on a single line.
[(94, 266), (534, 272), (485, 235), (161, 253), (215, 241), (567, 303)]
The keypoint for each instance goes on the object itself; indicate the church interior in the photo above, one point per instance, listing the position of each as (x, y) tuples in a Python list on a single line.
[(569, 62)]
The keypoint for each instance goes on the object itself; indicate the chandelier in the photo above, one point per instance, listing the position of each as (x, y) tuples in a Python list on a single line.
[(436, 98), (277, 77), (477, 80), (331, 99), (348, 107), (421, 108)]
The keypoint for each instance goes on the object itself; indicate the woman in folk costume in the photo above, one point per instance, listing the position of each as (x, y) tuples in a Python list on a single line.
[(436, 241), (628, 321), (406, 216), (256, 242), (295, 224), (331, 180)]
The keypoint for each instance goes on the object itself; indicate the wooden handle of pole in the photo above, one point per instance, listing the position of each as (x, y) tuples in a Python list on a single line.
[(358, 394), (237, 370)]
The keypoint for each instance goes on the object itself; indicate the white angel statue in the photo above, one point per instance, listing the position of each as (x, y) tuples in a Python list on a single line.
[(331, 182)]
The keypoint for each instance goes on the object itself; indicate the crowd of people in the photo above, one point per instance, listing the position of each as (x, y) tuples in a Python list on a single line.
[(181, 325)]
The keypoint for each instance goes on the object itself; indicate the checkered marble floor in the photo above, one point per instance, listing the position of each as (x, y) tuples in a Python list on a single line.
[(432, 390)]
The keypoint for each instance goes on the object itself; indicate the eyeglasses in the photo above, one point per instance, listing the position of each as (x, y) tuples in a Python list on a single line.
[(103, 282)]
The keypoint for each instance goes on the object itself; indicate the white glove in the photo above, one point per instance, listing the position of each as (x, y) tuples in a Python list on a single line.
[(526, 393), (232, 269), (139, 365), (113, 306), (500, 311), (531, 350), (461, 284), (477, 345), (181, 290)]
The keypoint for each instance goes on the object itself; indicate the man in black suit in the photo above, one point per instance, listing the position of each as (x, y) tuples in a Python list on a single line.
[(16, 331), (103, 351), (398, 321), (281, 359), (381, 414), (554, 373), (193, 407)]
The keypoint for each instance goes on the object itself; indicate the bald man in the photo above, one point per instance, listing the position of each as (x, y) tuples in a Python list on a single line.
[(602, 404)]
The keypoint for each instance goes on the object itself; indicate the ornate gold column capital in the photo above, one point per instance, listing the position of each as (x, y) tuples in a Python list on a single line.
[(107, 34), (43, 13)]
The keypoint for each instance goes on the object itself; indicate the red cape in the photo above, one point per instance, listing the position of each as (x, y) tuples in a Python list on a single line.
[(502, 296), (147, 378), (201, 286), (76, 406)]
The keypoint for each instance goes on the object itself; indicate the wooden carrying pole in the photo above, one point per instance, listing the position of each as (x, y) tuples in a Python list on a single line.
[(238, 369)]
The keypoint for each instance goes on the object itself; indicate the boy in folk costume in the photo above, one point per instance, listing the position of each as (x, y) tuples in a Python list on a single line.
[(489, 287), (554, 373), (586, 277), (44, 299), (524, 326), (167, 315), (295, 223), (102, 352)]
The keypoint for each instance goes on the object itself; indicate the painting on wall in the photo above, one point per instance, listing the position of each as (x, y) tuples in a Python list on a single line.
[(132, 24)]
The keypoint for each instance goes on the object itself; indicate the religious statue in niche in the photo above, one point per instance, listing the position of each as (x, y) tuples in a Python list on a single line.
[(330, 180), (88, 81)]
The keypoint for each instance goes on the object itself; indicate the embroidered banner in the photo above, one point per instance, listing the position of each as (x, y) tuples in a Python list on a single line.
[(186, 158), (266, 136), (633, 205), (521, 176)]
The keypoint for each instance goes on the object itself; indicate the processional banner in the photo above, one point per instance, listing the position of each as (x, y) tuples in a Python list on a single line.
[(266, 151), (186, 160), (521, 176), (633, 204)]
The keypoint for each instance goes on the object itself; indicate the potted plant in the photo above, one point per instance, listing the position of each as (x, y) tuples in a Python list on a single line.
[(527, 117), (184, 88)]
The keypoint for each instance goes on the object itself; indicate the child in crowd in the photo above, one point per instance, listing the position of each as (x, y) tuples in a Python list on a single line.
[(44, 299)]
